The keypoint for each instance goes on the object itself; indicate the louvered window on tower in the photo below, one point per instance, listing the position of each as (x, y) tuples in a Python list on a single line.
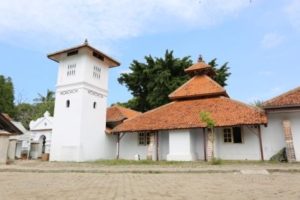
[(71, 70), (97, 72)]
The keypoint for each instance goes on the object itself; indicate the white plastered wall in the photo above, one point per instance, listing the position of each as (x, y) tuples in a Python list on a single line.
[(247, 150), (182, 145), (273, 135)]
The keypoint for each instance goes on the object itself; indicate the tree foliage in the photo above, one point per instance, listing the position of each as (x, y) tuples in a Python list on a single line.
[(222, 73), (7, 96), (210, 123), (257, 103), (26, 112), (206, 118), (151, 82)]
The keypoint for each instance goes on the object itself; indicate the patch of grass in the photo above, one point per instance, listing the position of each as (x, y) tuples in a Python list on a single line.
[(138, 162), (216, 161)]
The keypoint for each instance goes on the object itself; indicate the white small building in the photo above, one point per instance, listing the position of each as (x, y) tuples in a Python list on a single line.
[(40, 134), (283, 128)]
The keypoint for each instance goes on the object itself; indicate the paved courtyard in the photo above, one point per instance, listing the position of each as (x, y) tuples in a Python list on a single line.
[(27, 185)]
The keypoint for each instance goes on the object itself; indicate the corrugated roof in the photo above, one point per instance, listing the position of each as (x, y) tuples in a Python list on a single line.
[(198, 86), (288, 99), (186, 114)]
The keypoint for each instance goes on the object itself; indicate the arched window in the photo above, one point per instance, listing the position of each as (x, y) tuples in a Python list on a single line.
[(68, 103), (94, 105)]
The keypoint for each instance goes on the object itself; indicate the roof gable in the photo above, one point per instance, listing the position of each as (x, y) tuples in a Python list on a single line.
[(288, 99), (198, 86), (43, 123)]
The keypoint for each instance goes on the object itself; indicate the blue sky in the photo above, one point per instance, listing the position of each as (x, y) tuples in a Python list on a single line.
[(259, 38)]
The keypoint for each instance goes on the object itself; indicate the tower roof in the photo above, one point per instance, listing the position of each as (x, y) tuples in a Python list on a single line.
[(56, 56), (200, 68), (197, 87)]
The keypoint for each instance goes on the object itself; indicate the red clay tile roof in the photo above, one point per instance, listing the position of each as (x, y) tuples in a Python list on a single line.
[(197, 66), (288, 99), (118, 113), (186, 114), (198, 86)]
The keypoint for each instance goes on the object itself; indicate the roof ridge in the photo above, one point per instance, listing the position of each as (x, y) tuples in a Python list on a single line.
[(280, 95), (194, 77), (215, 82)]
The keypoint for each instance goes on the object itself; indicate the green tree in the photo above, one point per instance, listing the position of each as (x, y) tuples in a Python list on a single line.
[(257, 103), (151, 82), (222, 73), (7, 96), (44, 103), (210, 124), (26, 112), (47, 98)]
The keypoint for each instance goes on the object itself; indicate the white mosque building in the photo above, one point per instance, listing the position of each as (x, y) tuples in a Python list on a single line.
[(82, 132)]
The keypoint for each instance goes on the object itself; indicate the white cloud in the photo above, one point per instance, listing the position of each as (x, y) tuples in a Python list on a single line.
[(271, 40), (103, 21), (293, 12)]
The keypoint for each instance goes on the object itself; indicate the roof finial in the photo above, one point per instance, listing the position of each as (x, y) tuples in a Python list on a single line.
[(86, 41), (200, 58)]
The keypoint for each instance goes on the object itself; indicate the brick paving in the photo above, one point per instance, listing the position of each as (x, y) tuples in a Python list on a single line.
[(87, 186), (26, 180)]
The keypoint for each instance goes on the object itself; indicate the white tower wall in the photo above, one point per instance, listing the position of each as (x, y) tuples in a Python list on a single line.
[(79, 130)]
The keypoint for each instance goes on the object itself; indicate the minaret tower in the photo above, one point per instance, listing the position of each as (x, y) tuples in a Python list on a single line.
[(80, 105)]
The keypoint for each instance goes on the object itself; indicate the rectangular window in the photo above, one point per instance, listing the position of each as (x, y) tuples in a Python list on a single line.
[(71, 70), (144, 138), (233, 135), (97, 72), (227, 135), (237, 134)]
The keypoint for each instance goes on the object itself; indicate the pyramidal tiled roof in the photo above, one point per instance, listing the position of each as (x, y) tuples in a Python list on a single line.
[(118, 113), (200, 93), (197, 66), (198, 86), (186, 114)]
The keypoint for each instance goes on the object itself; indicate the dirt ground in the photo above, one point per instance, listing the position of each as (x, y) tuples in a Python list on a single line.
[(26, 185)]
